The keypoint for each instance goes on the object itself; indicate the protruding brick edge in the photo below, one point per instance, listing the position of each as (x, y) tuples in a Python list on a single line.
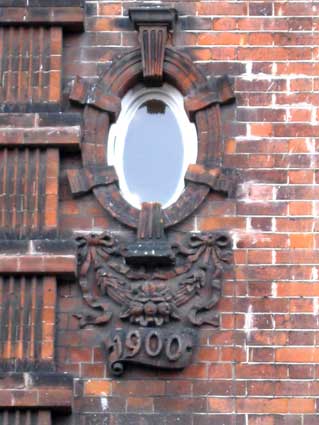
[(50, 391), (53, 257), (71, 18), (38, 264), (44, 136)]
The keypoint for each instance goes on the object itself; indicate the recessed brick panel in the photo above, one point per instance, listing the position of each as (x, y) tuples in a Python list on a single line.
[(29, 192), (27, 321), (30, 71)]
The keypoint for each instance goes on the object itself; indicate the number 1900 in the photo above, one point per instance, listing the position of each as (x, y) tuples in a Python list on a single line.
[(153, 343)]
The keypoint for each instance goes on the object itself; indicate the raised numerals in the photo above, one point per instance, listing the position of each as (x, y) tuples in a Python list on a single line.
[(151, 346), (174, 347), (133, 342)]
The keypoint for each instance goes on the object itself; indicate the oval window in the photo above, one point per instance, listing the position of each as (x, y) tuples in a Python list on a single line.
[(151, 145)]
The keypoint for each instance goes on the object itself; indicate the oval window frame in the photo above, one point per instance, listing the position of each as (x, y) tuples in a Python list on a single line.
[(130, 103), (102, 105)]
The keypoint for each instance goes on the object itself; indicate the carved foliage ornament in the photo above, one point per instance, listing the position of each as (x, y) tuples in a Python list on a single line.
[(159, 307), (152, 293)]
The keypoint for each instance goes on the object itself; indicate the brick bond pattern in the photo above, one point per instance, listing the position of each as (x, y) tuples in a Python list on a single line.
[(261, 366)]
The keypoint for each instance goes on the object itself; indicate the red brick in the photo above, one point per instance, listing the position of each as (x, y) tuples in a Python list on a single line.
[(301, 240), (140, 404), (142, 388), (262, 405), (297, 355), (220, 405), (222, 8), (97, 388)]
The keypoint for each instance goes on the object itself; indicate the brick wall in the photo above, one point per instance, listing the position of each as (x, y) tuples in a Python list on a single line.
[(261, 366)]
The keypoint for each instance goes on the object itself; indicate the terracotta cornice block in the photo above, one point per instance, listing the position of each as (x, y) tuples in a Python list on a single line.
[(153, 16)]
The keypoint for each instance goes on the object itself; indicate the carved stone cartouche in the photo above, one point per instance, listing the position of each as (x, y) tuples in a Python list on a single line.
[(159, 307)]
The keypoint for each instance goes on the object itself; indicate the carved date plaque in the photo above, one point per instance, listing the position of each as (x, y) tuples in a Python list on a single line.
[(152, 347), (152, 311)]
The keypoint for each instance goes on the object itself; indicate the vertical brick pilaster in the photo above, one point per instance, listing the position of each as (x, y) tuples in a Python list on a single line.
[(55, 80), (51, 190), (48, 319)]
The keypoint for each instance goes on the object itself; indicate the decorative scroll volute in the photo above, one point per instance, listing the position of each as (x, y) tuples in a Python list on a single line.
[(153, 26)]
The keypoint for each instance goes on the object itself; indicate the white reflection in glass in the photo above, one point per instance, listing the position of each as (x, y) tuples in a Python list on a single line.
[(153, 153)]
